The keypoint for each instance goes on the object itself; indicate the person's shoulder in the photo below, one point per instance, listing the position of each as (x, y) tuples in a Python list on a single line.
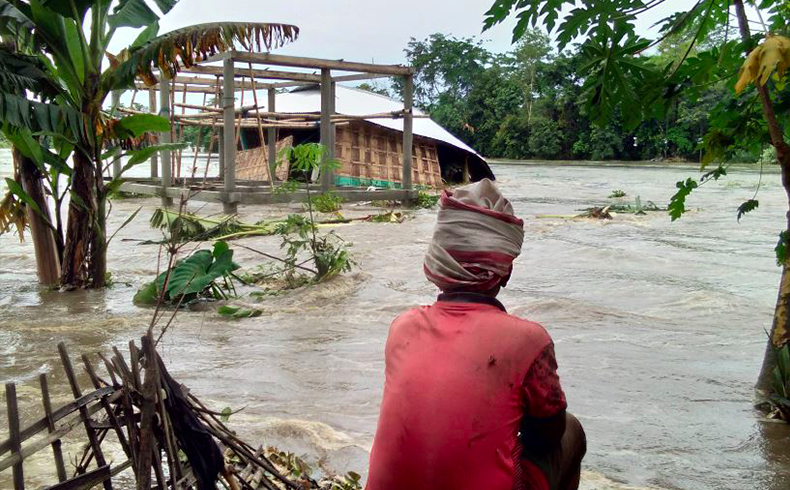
[(410, 316), (526, 327)]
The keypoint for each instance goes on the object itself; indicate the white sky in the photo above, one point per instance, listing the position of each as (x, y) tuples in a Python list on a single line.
[(361, 30)]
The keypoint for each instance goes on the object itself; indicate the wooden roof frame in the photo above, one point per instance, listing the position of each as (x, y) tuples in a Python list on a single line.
[(256, 75), (202, 77)]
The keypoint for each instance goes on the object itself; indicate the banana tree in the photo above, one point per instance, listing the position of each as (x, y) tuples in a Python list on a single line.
[(70, 38)]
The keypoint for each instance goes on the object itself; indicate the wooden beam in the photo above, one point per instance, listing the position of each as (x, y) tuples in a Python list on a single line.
[(408, 128), (295, 61), (15, 438), (164, 157), (258, 73), (326, 125), (271, 136), (264, 196), (57, 452), (93, 439), (155, 155), (229, 134), (85, 481), (343, 78), (190, 89)]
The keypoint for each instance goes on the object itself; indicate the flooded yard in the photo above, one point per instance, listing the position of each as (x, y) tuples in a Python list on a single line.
[(659, 326)]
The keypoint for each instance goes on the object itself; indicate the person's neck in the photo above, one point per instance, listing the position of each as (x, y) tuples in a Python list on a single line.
[(471, 297)]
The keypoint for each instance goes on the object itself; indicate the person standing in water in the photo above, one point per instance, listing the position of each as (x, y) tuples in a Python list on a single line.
[(472, 400)]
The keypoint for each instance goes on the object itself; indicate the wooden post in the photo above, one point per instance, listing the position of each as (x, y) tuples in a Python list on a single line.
[(228, 136), (155, 156), (271, 137), (116, 161), (148, 397), (13, 431), (326, 126), (221, 153), (333, 131), (408, 128), (56, 450), (165, 137)]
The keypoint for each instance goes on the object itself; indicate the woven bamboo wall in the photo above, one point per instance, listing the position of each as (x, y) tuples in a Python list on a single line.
[(252, 164), (371, 155)]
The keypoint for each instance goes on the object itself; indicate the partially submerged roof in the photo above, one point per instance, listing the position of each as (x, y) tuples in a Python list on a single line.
[(358, 102)]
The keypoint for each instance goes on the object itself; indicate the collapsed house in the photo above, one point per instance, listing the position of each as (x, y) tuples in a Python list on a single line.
[(370, 151)]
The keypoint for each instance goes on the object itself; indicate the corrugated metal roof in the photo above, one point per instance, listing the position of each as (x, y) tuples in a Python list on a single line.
[(357, 102)]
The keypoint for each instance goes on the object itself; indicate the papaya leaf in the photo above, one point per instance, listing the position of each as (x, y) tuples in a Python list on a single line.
[(677, 205), (746, 207)]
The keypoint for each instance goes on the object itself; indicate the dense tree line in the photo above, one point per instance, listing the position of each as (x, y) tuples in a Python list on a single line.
[(530, 102)]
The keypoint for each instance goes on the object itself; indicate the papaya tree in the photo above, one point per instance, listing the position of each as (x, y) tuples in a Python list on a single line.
[(70, 38), (721, 50)]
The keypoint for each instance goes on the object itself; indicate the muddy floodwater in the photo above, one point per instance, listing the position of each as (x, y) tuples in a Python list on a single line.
[(659, 326)]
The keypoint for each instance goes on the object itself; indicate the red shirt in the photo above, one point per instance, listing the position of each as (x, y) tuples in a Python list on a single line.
[(460, 376)]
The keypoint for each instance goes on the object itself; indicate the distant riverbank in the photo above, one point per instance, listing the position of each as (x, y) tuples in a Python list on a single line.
[(628, 164)]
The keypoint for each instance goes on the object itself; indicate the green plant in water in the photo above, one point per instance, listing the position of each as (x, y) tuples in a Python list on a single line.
[(328, 202), (328, 253), (351, 481), (617, 193), (204, 274), (236, 312), (426, 201), (185, 227)]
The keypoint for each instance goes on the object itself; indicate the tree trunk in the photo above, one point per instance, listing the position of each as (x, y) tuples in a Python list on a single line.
[(780, 330), (98, 258), (80, 226), (44, 245)]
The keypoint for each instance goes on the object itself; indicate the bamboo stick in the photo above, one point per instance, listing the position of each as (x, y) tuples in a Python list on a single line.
[(13, 430), (260, 128), (57, 453), (107, 408), (181, 132), (197, 146), (212, 136), (61, 431), (241, 115), (147, 411), (75, 389)]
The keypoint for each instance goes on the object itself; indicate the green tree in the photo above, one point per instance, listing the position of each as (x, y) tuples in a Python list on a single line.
[(67, 42), (444, 65), (617, 75)]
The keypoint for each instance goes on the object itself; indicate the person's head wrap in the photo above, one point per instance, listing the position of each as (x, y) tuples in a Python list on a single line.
[(475, 241)]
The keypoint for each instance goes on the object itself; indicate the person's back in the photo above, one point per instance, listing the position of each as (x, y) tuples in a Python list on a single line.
[(471, 397), (456, 431)]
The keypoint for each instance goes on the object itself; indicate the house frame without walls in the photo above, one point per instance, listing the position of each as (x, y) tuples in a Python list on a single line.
[(250, 72)]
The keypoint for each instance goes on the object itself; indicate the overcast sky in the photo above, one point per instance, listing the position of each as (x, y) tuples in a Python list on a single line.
[(360, 30)]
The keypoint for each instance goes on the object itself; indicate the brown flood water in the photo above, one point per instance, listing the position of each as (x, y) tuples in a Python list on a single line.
[(658, 328)]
